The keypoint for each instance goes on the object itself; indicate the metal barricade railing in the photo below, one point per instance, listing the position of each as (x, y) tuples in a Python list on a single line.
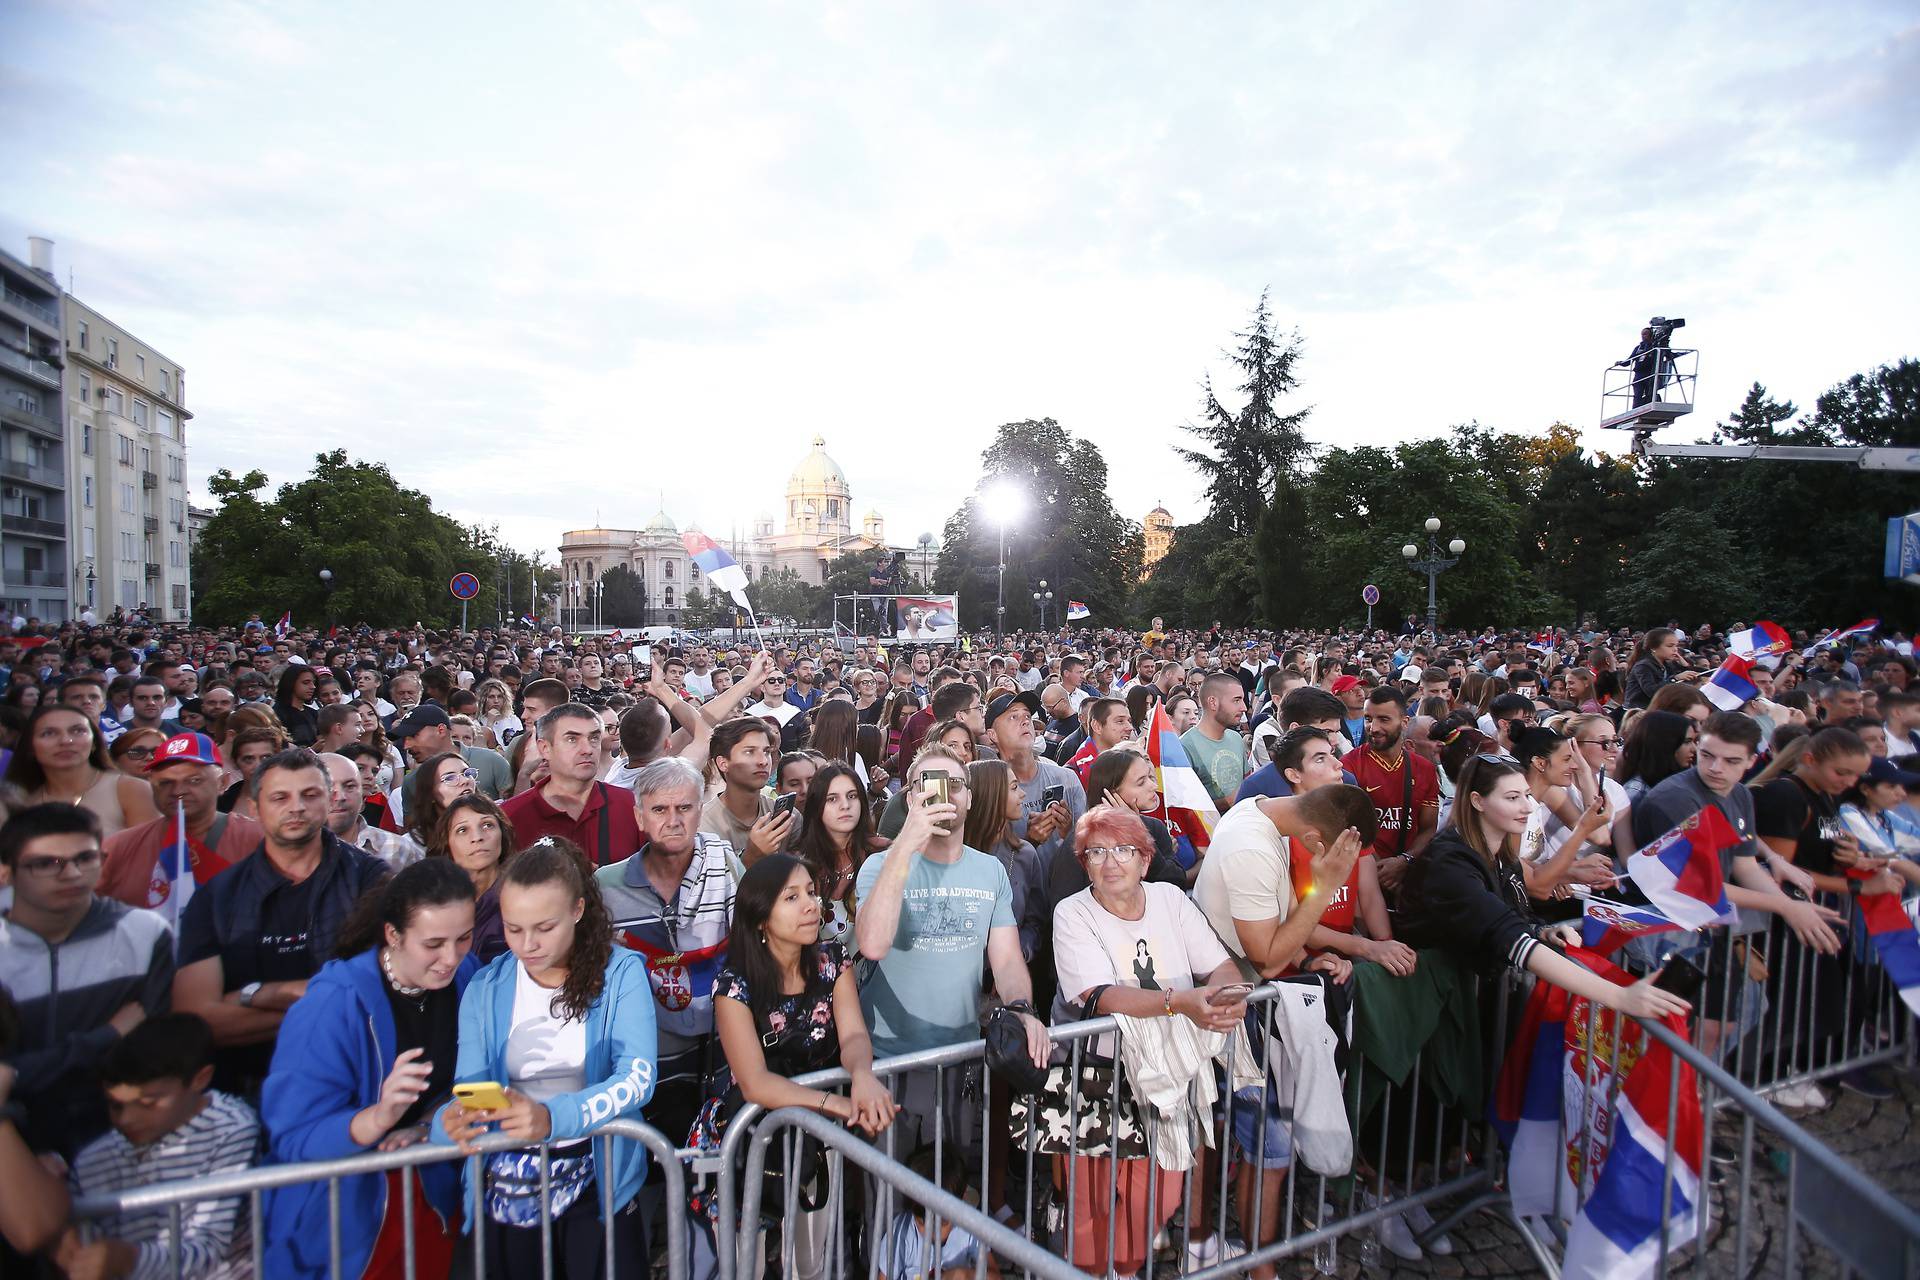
[(1868, 1231), (1417, 1153), (252, 1183)]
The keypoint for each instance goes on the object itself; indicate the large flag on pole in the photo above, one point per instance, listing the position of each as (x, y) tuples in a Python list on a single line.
[(1189, 809), (721, 569), (1680, 872)]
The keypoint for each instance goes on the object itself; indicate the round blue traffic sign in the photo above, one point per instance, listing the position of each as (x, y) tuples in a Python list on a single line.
[(1370, 594), (464, 586)]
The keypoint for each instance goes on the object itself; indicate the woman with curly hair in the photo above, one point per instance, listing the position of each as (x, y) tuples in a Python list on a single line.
[(564, 1024)]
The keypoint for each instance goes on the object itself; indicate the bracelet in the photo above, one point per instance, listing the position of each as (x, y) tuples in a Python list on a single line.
[(1169, 1003), (825, 1098)]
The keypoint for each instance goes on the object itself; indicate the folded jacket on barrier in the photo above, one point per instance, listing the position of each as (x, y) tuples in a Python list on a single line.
[(1431, 1016), (1169, 1069), (1306, 1078)]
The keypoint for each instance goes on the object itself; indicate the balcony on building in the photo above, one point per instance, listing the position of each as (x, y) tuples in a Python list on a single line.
[(33, 367), (33, 526), (33, 473), (31, 419), (31, 309), (149, 480), (153, 569)]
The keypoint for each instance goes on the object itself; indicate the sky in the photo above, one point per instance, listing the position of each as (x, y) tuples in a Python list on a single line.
[(557, 263)]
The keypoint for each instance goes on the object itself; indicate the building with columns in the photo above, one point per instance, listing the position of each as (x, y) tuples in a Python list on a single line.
[(817, 524)]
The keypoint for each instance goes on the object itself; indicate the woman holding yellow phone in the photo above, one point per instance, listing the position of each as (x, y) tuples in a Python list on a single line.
[(561, 1030), (362, 1060)]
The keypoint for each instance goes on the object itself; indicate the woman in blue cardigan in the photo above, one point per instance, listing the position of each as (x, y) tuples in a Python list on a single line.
[(564, 1024), (362, 1060)]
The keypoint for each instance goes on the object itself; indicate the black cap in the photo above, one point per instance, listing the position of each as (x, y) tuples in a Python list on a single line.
[(424, 716), (1026, 698)]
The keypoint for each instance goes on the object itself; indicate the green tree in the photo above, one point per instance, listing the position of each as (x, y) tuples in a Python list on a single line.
[(1068, 533), (623, 601), (706, 610), (785, 595), (1668, 580)]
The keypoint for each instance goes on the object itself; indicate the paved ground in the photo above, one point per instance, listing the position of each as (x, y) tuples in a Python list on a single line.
[(1877, 1137)]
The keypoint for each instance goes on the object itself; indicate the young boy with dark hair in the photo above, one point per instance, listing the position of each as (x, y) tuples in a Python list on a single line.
[(168, 1124)]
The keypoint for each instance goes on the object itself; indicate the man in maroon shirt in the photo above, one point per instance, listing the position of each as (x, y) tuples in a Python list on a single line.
[(1408, 805), (572, 802)]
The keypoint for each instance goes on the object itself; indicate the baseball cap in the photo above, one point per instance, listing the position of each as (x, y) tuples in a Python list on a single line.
[(1411, 674), (1025, 698), (424, 716), (1885, 770), (185, 748), (1344, 683)]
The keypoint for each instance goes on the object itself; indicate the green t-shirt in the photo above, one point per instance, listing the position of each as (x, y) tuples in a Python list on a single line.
[(926, 992), (1222, 765)]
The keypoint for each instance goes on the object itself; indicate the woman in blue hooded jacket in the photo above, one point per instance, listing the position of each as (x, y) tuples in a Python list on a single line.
[(564, 1023), (362, 1060)]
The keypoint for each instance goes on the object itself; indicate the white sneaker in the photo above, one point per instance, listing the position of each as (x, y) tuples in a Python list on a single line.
[(1800, 1097), (1393, 1232), (1202, 1253), (1420, 1220)]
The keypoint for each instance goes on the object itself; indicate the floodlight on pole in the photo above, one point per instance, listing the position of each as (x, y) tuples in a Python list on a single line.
[(1002, 502)]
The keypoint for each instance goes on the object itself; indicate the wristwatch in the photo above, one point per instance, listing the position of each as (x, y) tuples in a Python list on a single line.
[(247, 993)]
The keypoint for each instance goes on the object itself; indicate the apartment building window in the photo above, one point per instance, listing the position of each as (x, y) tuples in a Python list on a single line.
[(86, 491), (125, 446), (177, 511), (176, 468), (179, 597), (113, 353), (667, 570), (166, 383), (126, 544), (86, 541), (86, 439), (27, 400), (129, 593), (86, 389), (164, 423), (176, 555), (126, 498), (181, 398), (83, 335), (140, 365), (146, 458), (140, 414)]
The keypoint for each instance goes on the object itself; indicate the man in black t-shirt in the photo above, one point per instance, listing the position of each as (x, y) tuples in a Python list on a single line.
[(254, 934)]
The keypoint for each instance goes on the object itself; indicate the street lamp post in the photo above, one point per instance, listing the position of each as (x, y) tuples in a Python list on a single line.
[(1043, 601), (1002, 503), (926, 552), (1433, 566), (326, 582)]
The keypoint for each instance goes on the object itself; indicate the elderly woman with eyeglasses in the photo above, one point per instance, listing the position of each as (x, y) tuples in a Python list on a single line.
[(1130, 946)]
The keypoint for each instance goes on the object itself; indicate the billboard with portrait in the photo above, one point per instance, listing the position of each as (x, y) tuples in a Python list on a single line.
[(927, 617)]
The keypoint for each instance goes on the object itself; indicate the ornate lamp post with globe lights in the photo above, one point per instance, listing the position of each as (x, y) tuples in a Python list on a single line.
[(1433, 566)]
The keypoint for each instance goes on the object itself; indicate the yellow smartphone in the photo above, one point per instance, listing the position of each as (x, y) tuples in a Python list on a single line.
[(935, 788), (481, 1095)]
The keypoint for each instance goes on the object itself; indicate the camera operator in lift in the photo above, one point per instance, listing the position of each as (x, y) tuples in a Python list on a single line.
[(1652, 363)]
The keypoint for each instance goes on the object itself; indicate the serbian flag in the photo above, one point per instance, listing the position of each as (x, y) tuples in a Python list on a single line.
[(1617, 1233), (1183, 797), (1680, 872), (721, 569), (1863, 627), (1605, 926), (1895, 942), (1077, 611), (1731, 687), (172, 882), (282, 627), (526, 621), (1526, 1101), (1762, 643)]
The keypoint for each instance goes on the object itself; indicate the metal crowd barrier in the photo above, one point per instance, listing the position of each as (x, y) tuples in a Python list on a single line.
[(172, 1196), (1419, 1144)]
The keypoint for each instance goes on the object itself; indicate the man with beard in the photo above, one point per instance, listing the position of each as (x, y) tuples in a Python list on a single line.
[(1404, 785)]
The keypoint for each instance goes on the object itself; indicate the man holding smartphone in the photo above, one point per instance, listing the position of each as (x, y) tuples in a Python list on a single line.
[(929, 912)]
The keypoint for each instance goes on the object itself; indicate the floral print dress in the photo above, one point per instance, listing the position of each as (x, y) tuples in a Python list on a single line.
[(797, 1034)]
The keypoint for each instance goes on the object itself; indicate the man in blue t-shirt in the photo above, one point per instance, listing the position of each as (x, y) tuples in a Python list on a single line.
[(929, 910)]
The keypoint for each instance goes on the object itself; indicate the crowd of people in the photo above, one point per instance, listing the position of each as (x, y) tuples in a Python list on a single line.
[(281, 898)]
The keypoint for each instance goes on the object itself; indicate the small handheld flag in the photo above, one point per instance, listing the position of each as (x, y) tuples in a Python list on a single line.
[(1763, 643), (1731, 687), (1076, 611), (721, 569), (284, 626), (1680, 872), (1607, 926), (1189, 809), (172, 883), (1865, 626)]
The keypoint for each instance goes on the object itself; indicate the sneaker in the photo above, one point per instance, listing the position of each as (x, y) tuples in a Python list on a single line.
[(1202, 1253), (1421, 1221), (1800, 1097), (1868, 1082), (1724, 1152), (1393, 1232)]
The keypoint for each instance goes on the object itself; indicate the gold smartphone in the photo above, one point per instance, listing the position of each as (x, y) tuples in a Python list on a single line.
[(935, 789), (481, 1095)]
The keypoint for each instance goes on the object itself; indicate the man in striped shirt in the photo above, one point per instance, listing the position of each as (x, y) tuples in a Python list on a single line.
[(168, 1124)]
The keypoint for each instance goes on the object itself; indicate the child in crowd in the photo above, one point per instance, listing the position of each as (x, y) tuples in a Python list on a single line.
[(168, 1124)]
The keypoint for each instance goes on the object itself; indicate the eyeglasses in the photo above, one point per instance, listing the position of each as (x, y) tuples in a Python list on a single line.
[(474, 774), (138, 753), (1605, 744), (1120, 853), (49, 868)]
